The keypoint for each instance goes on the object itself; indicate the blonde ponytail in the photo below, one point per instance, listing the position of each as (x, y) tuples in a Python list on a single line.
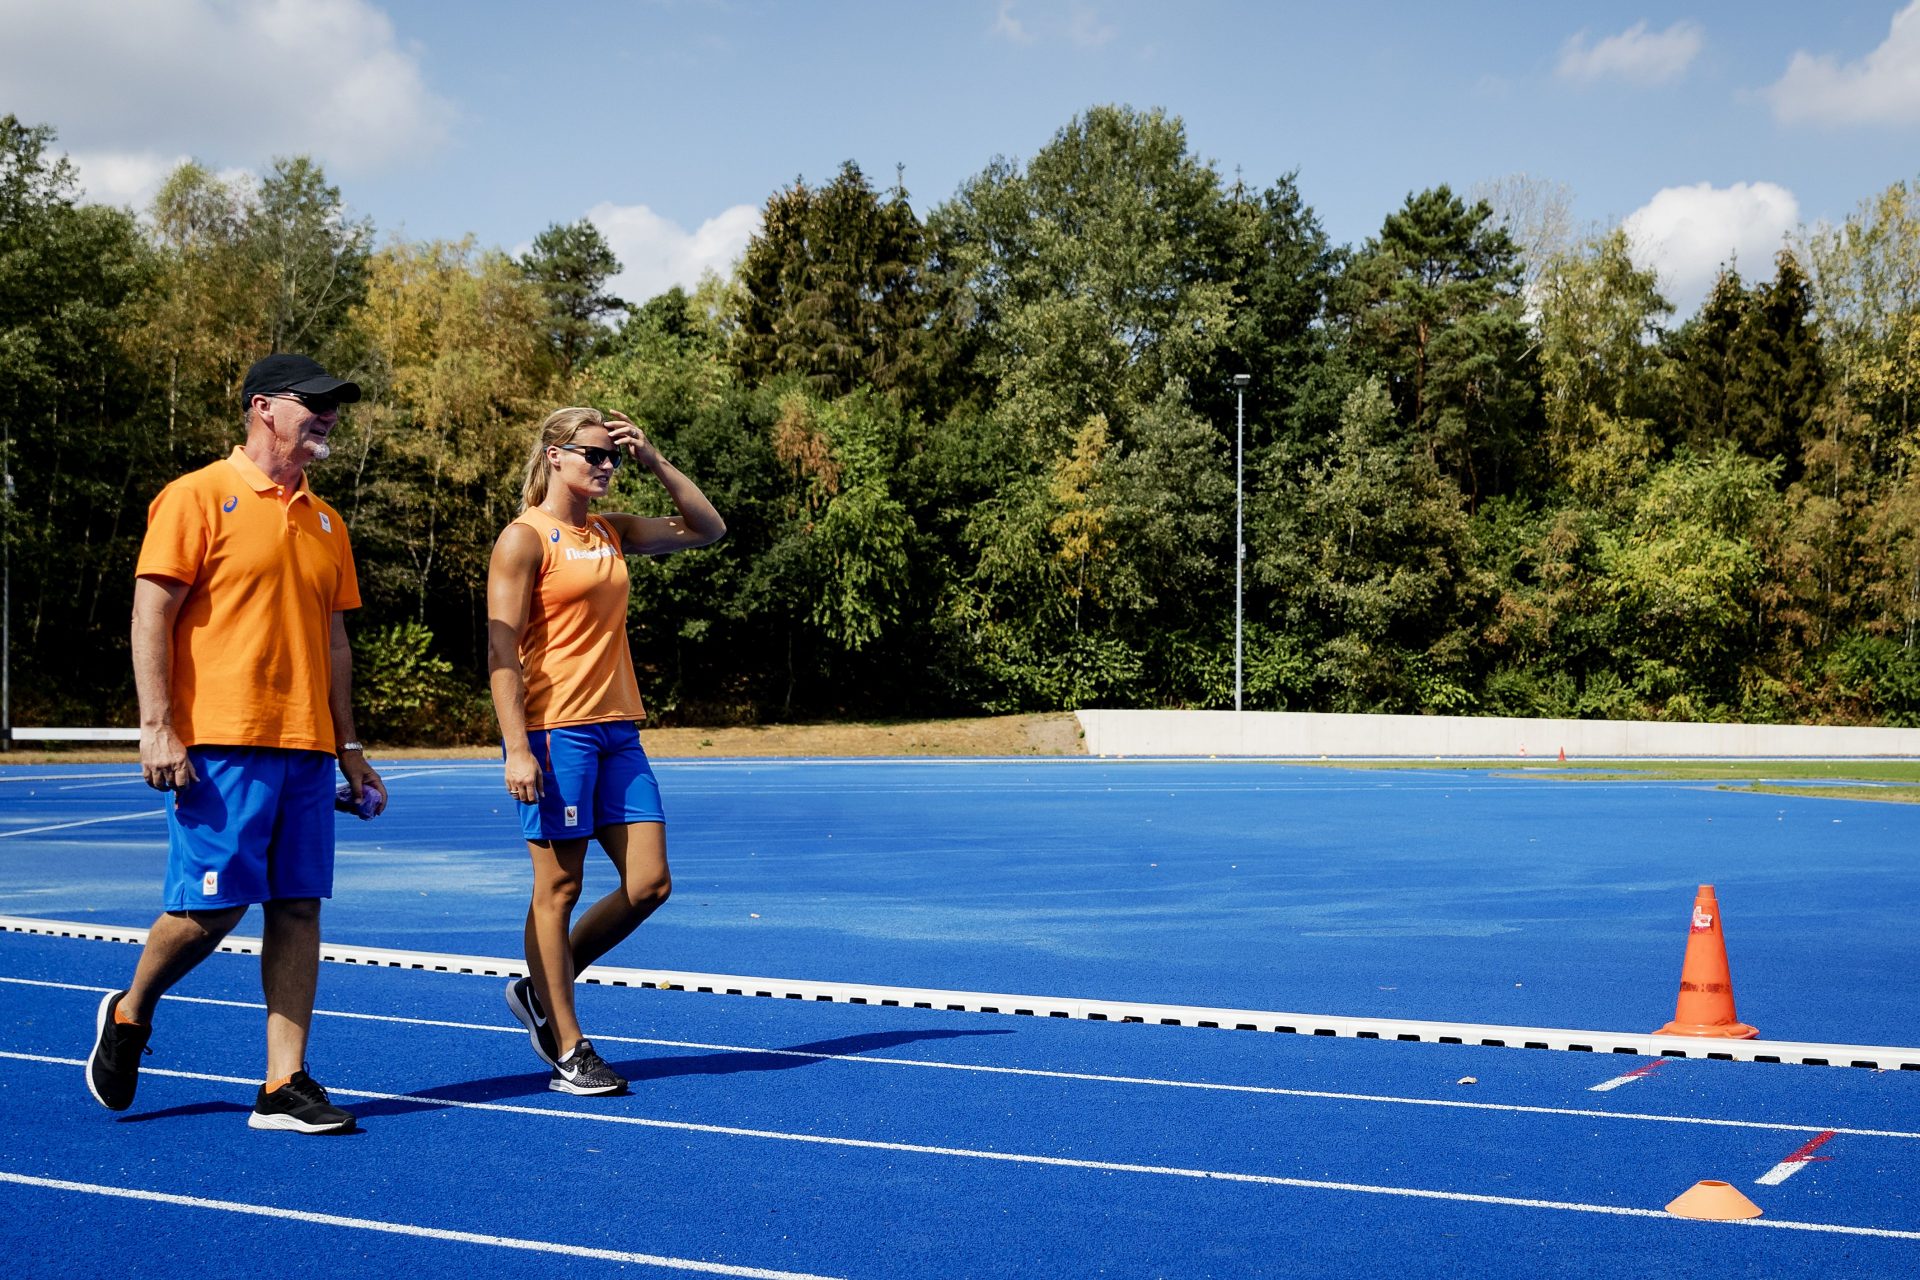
[(561, 426)]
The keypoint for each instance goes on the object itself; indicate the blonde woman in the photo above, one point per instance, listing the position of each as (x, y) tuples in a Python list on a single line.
[(569, 711)]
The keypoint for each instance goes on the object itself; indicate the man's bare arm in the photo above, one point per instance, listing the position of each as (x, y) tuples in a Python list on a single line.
[(163, 757)]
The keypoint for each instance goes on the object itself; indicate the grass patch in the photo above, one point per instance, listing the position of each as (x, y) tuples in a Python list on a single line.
[(1901, 778)]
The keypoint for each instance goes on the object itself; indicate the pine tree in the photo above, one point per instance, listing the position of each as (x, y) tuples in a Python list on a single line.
[(572, 264)]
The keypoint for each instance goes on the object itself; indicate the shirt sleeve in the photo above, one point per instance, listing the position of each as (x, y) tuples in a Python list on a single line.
[(176, 542), (346, 593)]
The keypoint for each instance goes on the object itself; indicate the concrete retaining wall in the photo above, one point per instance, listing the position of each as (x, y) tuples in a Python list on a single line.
[(1310, 733)]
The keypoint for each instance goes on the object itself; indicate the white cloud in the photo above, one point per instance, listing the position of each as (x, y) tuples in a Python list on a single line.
[(1635, 55), (1078, 24), (657, 253), (132, 178), (1086, 30), (1882, 88), (1686, 234), (238, 82), (123, 177), (1008, 27)]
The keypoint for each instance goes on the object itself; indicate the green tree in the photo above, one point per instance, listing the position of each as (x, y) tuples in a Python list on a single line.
[(1686, 577), (1749, 368), (1601, 369), (76, 449), (833, 288), (571, 264), (1094, 277), (1283, 268), (426, 467), (312, 255), (1433, 305), (1375, 568)]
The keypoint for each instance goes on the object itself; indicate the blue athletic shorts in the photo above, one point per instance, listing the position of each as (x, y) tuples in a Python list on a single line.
[(256, 826), (591, 776)]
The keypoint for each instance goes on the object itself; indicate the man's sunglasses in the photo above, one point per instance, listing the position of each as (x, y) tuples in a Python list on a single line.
[(594, 455), (319, 404)]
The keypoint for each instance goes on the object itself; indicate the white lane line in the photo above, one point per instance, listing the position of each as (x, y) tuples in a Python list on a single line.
[(58, 777), (416, 773), (1205, 1086), (137, 780), (1017, 1157), (405, 1229), (84, 822), (1639, 1073), (1094, 1010), (1793, 1163)]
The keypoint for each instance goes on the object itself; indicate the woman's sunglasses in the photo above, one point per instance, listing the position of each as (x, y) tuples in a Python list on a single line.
[(594, 455)]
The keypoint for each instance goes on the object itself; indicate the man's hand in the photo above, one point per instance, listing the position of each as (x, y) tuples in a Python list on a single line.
[(360, 776), (163, 759), (523, 776)]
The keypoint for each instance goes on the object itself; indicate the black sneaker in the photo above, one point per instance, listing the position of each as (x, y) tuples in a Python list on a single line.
[(113, 1068), (582, 1071), (525, 1005), (300, 1105)]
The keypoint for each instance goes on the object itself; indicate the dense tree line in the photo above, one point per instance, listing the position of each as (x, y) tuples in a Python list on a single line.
[(984, 460)]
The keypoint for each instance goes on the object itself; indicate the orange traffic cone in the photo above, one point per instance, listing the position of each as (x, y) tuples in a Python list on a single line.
[(1714, 1201), (1563, 755), (1705, 1007)]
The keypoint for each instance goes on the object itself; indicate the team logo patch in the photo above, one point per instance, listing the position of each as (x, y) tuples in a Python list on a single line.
[(233, 500), (554, 536), (326, 525), (573, 815), (210, 884)]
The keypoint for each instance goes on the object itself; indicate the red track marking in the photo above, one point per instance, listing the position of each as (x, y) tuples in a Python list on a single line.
[(1791, 1165)]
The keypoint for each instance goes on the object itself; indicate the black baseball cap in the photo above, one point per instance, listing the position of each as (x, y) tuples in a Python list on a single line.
[(281, 373)]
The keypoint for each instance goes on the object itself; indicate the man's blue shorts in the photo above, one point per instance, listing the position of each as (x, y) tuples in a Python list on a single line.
[(258, 825), (591, 776)]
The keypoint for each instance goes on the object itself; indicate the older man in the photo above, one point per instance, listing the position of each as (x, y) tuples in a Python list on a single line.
[(244, 675)]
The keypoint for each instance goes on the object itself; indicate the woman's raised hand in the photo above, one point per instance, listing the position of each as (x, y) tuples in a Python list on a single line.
[(628, 436)]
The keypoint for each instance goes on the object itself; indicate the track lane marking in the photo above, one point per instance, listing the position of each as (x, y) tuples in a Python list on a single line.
[(1274, 1091), (1795, 1162), (405, 1228), (1638, 1073), (84, 822), (1027, 1158)]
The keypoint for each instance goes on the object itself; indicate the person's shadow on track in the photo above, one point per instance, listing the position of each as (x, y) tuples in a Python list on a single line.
[(186, 1110), (718, 1063)]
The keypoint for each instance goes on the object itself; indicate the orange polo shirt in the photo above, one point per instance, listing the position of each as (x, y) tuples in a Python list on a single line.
[(252, 643), (573, 651)]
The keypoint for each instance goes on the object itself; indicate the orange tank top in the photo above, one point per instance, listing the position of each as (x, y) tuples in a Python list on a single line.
[(573, 651)]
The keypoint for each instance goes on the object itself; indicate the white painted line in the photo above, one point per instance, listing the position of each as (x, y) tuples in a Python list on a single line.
[(1639, 1073), (1880, 1057), (84, 822), (114, 733), (134, 780), (1024, 1158), (1798, 1160), (404, 1228), (416, 773), (59, 777), (1039, 1073)]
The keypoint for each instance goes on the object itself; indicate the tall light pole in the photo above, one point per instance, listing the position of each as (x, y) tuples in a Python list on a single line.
[(1240, 381)]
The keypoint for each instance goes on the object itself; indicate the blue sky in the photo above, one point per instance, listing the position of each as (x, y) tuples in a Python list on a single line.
[(1711, 128)]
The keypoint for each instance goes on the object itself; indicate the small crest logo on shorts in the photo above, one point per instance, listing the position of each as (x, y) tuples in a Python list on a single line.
[(233, 500), (326, 525), (210, 884), (573, 815), (554, 536)]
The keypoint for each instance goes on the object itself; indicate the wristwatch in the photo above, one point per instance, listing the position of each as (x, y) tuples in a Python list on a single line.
[(351, 746)]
